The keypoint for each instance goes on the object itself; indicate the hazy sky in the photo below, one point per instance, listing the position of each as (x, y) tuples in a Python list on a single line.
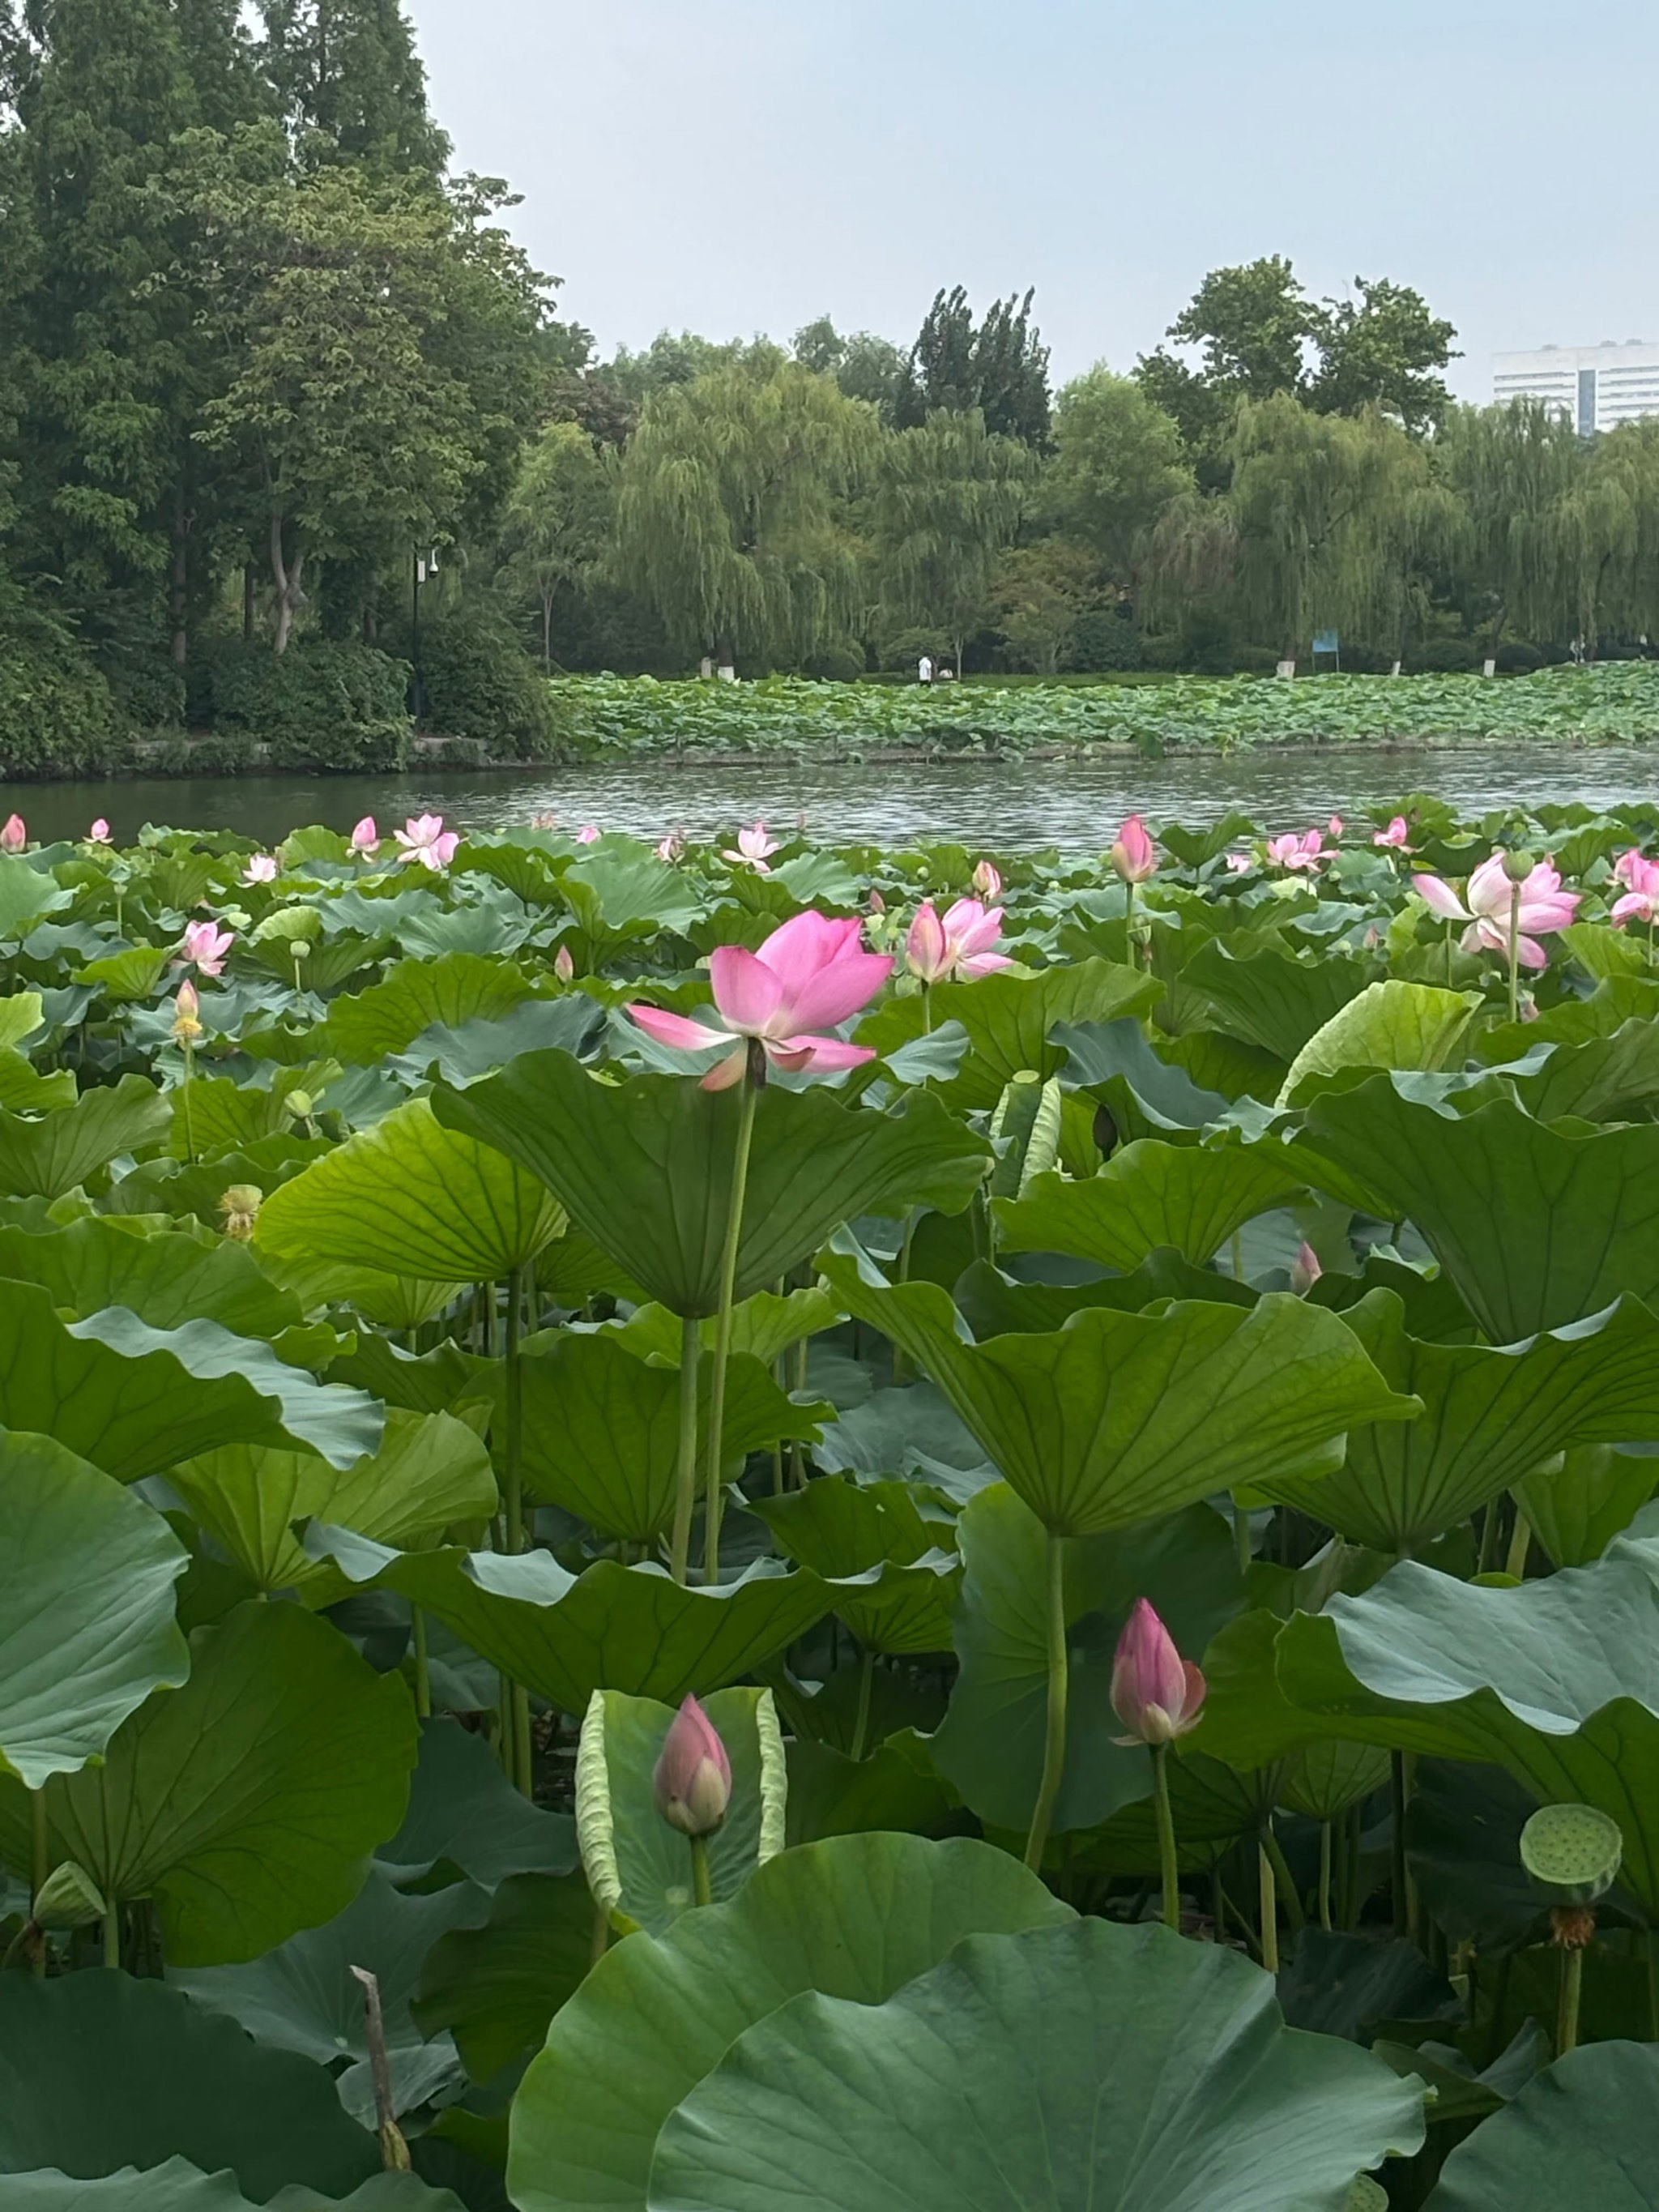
[(735, 166)]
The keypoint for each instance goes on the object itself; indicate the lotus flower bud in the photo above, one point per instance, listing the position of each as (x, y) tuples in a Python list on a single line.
[(1334, 826), (1155, 1694), (927, 948), (98, 833), (588, 834), (693, 1779), (1134, 856), (241, 1208), (988, 881), (187, 1014), (1305, 1270), (365, 837), (878, 904), (14, 836), (1517, 867), (564, 966)]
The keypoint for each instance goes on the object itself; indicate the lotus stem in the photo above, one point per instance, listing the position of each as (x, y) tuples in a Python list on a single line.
[(1268, 1891), (601, 1938), (747, 1098), (685, 1467), (184, 1100), (40, 1866), (1515, 951), (1130, 946), (423, 1670), (867, 1684), (1169, 1863), (1242, 1538), (1325, 1875), (522, 1757), (703, 1887), (1397, 1840), (394, 2151), (1520, 1544), (1573, 1983), (1053, 1746), (1284, 1878), (112, 1933)]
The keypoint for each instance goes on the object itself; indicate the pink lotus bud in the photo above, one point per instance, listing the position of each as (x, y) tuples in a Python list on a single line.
[(927, 948), (1155, 1694), (98, 833), (1335, 825), (672, 848), (1134, 855), (14, 836), (878, 904), (693, 1779), (365, 837), (1398, 833), (187, 1014), (563, 966), (988, 880), (1305, 1270), (261, 869), (588, 834)]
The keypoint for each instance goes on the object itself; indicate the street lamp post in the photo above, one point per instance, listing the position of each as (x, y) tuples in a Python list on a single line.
[(426, 567)]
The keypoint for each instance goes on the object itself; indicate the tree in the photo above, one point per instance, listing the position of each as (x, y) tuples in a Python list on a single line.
[(1381, 351), (728, 517), (999, 369), (865, 366), (670, 359), (556, 522), (1036, 598), (1514, 472), (1118, 464), (349, 85), (948, 499)]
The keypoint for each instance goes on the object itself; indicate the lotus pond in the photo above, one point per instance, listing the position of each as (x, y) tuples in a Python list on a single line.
[(868, 1530)]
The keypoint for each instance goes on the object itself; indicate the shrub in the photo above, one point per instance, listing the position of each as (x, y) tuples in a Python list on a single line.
[(57, 714), (1102, 640), (1206, 643), (478, 683), (836, 663), (317, 707), (1517, 657), (902, 653), (1448, 656), (149, 690)]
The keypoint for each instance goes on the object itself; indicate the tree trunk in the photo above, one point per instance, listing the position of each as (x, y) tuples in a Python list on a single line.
[(178, 582), (547, 632), (247, 602), (289, 577)]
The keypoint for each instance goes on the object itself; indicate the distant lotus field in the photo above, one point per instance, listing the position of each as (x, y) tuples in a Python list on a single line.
[(761, 1526)]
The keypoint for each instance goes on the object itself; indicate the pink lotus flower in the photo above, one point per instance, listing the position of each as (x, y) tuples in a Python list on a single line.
[(424, 838), (563, 966), (260, 869), (1305, 1269), (1398, 833), (808, 975), (187, 1014), (208, 946), (1544, 908), (1155, 1694), (365, 837), (1134, 856), (672, 848), (1293, 852), (98, 833), (693, 1777), (1334, 827), (1630, 867), (1641, 901), (14, 836), (959, 945), (988, 880), (1239, 864), (754, 850), (588, 834)]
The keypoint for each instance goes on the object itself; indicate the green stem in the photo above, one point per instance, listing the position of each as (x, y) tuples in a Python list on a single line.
[(1520, 1544), (1287, 1888), (867, 1684), (113, 1933), (702, 1887), (1238, 1256), (1397, 1841), (1515, 951), (1268, 1891), (1053, 1746), (1242, 1538), (422, 1671), (522, 1764), (1325, 1875), (685, 1466), (1130, 946), (1488, 1539), (600, 1941), (747, 1098), (1448, 955), (1572, 1982), (183, 1101), (41, 1865), (1169, 1863)]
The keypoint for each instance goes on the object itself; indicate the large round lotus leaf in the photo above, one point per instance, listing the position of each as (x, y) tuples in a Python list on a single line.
[(178, 2186), (86, 1632), (1585, 2132), (857, 1916), (99, 2071), (1091, 2064)]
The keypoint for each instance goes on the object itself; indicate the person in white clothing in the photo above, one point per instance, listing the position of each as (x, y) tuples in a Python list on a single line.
[(925, 669)]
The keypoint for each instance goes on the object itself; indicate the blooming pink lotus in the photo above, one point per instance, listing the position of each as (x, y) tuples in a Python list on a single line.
[(1134, 856), (588, 834), (988, 881), (1628, 866), (1544, 908), (1397, 834), (261, 869), (424, 838), (672, 848), (959, 945), (13, 836), (1239, 864), (810, 975), (99, 834), (754, 850), (365, 836), (692, 1782), (1641, 901), (1155, 1694), (208, 946), (1293, 852)]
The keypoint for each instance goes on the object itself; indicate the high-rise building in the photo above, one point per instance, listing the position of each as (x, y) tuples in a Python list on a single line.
[(1597, 386)]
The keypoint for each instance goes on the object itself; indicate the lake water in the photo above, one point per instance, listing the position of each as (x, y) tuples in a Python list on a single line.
[(1074, 803)]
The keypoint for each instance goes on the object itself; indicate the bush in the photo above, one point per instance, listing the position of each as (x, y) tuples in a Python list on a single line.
[(836, 663), (1448, 656), (478, 683), (324, 707), (1160, 652), (1518, 659), (903, 652), (1255, 660), (1206, 643), (149, 690), (57, 714), (1102, 640)]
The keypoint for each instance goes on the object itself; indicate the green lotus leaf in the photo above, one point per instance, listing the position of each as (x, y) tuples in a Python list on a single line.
[(1325, 1780), (244, 1803), (167, 1277), (1537, 1226), (178, 2186), (303, 1996), (766, 1326), (840, 1529), (99, 2071), (495, 1988), (133, 1399), (48, 1156), (1609, 1079), (87, 1591), (1586, 2130), (1338, 1983), (416, 995), (994, 1305), (857, 1916), (910, 1432), (464, 1813), (1489, 1417), (1190, 1198), (430, 1472), (479, 1047), (1008, 1018), (1575, 1505), (1391, 1025), (1270, 998), (883, 2108), (612, 1627), (645, 1167), (1147, 1097), (1118, 1416), (412, 1197), (639, 1870), (22, 1014), (989, 1746), (25, 894)]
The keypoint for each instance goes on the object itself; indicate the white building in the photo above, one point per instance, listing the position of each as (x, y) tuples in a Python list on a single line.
[(1598, 387)]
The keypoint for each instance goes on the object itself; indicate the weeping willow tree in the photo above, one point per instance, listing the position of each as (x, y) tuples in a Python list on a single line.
[(1517, 474), (947, 499), (730, 508), (1611, 528)]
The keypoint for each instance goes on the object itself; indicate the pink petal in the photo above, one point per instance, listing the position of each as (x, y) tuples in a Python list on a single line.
[(928, 946), (982, 963), (837, 993), (727, 1073), (677, 1031), (819, 1054), (748, 992), (1440, 898)]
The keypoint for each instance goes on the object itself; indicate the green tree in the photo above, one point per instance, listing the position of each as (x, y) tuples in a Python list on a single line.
[(349, 85), (1514, 472), (999, 368), (1037, 596), (729, 511), (681, 358), (1118, 465), (947, 501), (556, 523), (865, 366), (1382, 350)]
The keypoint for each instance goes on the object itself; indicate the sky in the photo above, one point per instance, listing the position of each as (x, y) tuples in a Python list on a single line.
[(741, 165)]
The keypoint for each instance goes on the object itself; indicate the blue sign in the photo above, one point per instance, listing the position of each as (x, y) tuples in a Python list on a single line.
[(1326, 640)]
